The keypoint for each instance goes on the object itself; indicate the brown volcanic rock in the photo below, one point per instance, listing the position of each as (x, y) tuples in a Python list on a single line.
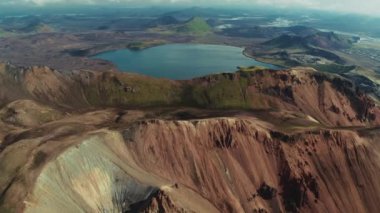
[(158, 202), (228, 160), (241, 162), (231, 164), (84, 89), (328, 98), (28, 113), (42, 84)]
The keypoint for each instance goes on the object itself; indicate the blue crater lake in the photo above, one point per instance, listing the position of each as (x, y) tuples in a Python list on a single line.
[(181, 61)]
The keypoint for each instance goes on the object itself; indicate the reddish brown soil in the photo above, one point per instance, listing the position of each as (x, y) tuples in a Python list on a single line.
[(307, 143)]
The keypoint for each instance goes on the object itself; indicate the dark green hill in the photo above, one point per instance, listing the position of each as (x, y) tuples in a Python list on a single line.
[(331, 40), (301, 30), (325, 40), (287, 41)]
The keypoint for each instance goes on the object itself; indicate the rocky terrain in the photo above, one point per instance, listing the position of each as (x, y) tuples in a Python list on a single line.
[(324, 51), (264, 141)]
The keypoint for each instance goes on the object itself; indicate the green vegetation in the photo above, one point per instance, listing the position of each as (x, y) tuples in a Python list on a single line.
[(333, 68), (3, 33), (5, 210), (285, 62), (251, 69), (196, 25), (145, 44), (132, 90), (224, 92), (287, 41), (44, 28)]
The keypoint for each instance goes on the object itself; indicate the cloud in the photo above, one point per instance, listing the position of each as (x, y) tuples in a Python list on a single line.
[(370, 7), (356, 6)]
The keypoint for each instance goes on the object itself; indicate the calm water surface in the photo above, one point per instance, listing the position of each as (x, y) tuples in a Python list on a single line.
[(181, 61)]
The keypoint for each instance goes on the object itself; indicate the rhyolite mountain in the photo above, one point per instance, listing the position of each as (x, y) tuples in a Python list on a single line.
[(293, 140)]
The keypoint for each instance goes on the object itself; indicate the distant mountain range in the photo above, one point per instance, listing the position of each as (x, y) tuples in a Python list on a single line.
[(327, 40), (195, 25), (164, 20), (27, 24)]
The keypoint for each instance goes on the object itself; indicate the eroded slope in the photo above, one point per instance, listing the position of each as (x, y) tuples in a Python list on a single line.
[(221, 164), (261, 140)]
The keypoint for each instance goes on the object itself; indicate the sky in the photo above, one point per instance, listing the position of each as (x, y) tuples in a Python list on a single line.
[(368, 7)]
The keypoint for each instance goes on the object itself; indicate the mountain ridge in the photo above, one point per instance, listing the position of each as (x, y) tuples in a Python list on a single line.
[(290, 140)]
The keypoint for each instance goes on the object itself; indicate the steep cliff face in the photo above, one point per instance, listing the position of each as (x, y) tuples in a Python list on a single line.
[(209, 165), (93, 172), (332, 100), (228, 160)]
